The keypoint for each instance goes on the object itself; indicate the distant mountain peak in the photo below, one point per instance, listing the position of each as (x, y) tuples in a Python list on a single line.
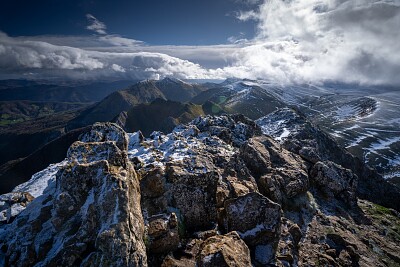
[(231, 80), (173, 80)]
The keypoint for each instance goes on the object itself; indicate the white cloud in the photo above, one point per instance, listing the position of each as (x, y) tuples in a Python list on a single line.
[(117, 68), (247, 15), (47, 60), (313, 41), (95, 25)]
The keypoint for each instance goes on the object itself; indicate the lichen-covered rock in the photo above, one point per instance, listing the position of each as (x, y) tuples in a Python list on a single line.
[(194, 195), (334, 180), (232, 129), (257, 221), (310, 154), (91, 217), (83, 153), (162, 231), (280, 174), (106, 131), (224, 250), (287, 251), (192, 172)]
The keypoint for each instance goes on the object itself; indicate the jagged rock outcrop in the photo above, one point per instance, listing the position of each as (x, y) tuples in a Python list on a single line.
[(212, 249), (300, 136), (280, 174), (213, 192), (90, 216)]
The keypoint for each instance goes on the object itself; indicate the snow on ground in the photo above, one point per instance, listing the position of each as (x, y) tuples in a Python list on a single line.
[(182, 143), (283, 135), (345, 112), (280, 124), (41, 180), (40, 184)]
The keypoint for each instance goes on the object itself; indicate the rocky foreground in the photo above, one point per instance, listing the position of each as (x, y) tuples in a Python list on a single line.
[(214, 192)]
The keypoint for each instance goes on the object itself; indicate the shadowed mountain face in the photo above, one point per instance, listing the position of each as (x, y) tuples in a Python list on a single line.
[(139, 93), (112, 105), (22, 139), (18, 171), (160, 115)]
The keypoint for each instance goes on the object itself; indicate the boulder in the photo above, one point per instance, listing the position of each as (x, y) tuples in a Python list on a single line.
[(287, 251), (280, 174), (224, 250), (257, 221), (335, 181), (106, 131), (162, 231)]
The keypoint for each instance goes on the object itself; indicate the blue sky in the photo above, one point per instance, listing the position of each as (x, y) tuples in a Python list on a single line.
[(157, 22), (282, 41)]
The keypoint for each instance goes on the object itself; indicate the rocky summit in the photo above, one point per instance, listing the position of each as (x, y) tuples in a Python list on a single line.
[(218, 191)]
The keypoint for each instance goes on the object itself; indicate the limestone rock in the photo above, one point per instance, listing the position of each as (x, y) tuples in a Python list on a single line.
[(232, 129), (106, 131), (287, 251)]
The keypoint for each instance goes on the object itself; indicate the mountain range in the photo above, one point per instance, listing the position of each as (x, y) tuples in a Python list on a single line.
[(349, 114)]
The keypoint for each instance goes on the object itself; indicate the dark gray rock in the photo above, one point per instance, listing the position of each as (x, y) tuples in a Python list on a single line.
[(335, 181)]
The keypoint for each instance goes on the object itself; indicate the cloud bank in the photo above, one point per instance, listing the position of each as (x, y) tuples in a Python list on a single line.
[(339, 40), (48, 60), (298, 41)]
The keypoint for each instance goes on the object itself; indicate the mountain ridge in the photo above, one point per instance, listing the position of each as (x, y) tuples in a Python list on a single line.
[(211, 185)]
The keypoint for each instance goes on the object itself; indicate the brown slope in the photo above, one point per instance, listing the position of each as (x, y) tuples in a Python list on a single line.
[(177, 90)]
